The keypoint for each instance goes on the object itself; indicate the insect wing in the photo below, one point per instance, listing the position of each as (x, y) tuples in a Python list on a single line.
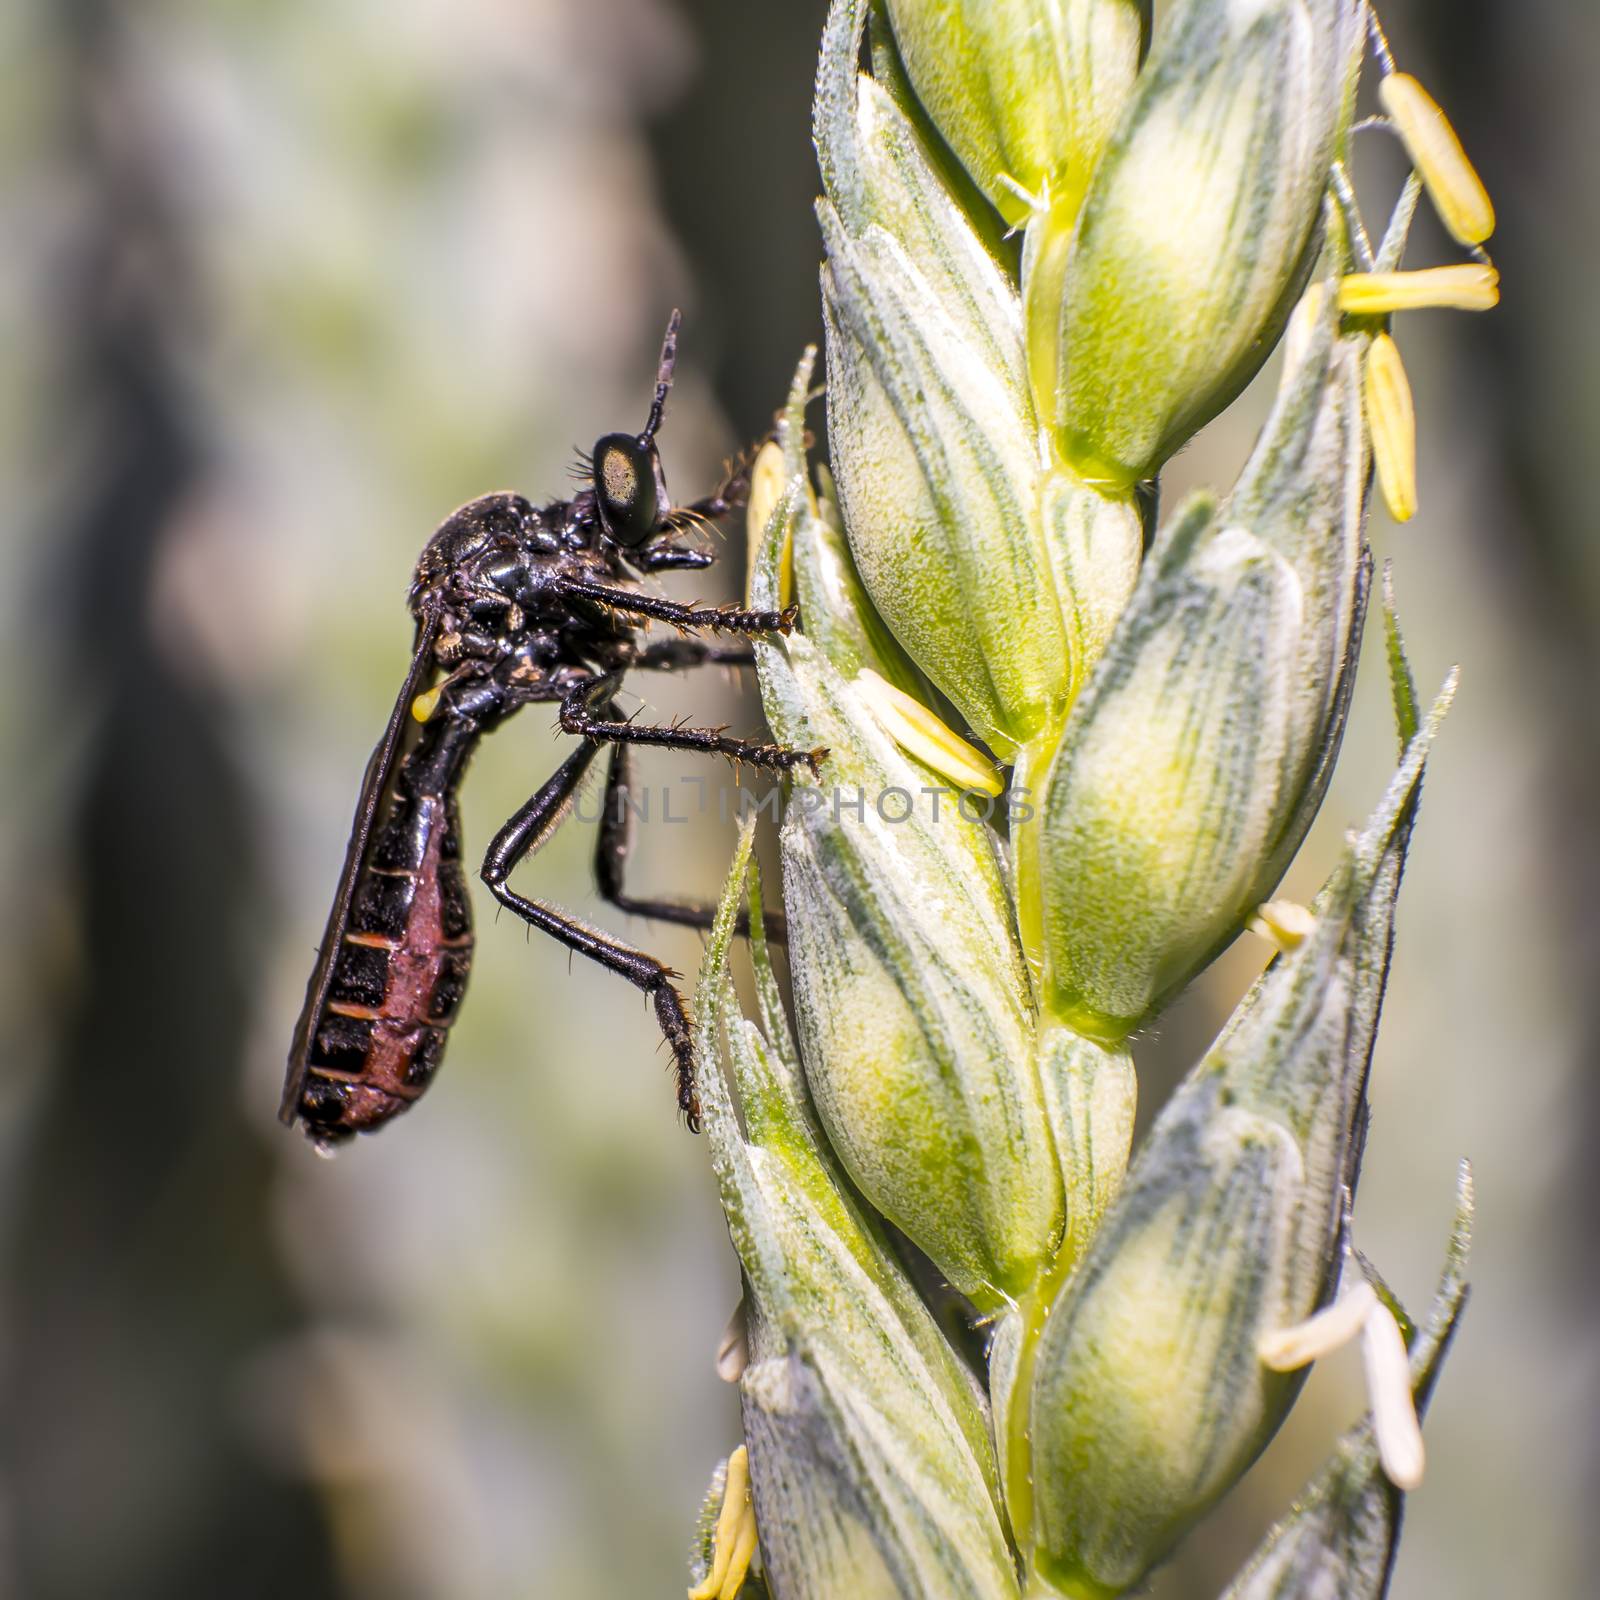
[(380, 768)]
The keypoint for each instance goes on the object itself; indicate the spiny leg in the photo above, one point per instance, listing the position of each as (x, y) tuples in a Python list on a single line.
[(615, 840), (522, 836), (732, 494), (613, 846), (723, 619), (579, 716), (677, 655)]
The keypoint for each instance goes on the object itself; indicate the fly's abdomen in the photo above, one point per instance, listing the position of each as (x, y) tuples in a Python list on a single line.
[(397, 977)]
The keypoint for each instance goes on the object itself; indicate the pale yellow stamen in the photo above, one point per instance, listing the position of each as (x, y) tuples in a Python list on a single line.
[(1470, 287), (1285, 923), (1394, 1411), (1453, 184), (744, 1549), (426, 703), (735, 1541), (766, 489), (768, 480), (919, 733), (1392, 420), (1289, 1349)]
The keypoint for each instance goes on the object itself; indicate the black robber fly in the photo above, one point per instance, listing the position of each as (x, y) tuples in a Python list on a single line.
[(513, 603)]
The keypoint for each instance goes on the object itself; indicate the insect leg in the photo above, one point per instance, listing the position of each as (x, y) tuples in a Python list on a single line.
[(725, 619), (611, 858), (673, 558), (730, 495), (578, 716), (524, 834), (675, 655)]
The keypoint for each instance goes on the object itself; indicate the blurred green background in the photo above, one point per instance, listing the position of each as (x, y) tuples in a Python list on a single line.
[(279, 285)]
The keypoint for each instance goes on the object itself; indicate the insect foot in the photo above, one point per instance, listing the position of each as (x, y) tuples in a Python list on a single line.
[(675, 1028)]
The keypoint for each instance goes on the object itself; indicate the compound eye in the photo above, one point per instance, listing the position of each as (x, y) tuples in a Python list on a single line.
[(627, 488)]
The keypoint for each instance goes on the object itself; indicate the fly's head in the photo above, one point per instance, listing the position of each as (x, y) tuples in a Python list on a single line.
[(635, 524), (637, 528), (490, 564)]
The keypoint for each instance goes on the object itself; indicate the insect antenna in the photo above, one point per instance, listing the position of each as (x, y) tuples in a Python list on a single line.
[(669, 358)]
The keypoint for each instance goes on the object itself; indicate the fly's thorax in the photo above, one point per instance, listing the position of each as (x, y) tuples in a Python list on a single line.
[(499, 561), (555, 628), (469, 539)]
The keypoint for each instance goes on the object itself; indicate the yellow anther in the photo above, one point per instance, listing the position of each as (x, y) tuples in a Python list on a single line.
[(1456, 189), (919, 733), (1385, 1361), (1392, 421), (744, 1549), (768, 480), (1289, 1349), (1471, 287), (735, 1542), (1394, 1409), (426, 703), (766, 489), (1284, 923)]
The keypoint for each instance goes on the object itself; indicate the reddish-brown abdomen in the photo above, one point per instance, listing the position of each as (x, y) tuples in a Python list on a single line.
[(397, 977)]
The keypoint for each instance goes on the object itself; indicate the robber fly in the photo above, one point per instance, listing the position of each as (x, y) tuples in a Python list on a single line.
[(513, 603)]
